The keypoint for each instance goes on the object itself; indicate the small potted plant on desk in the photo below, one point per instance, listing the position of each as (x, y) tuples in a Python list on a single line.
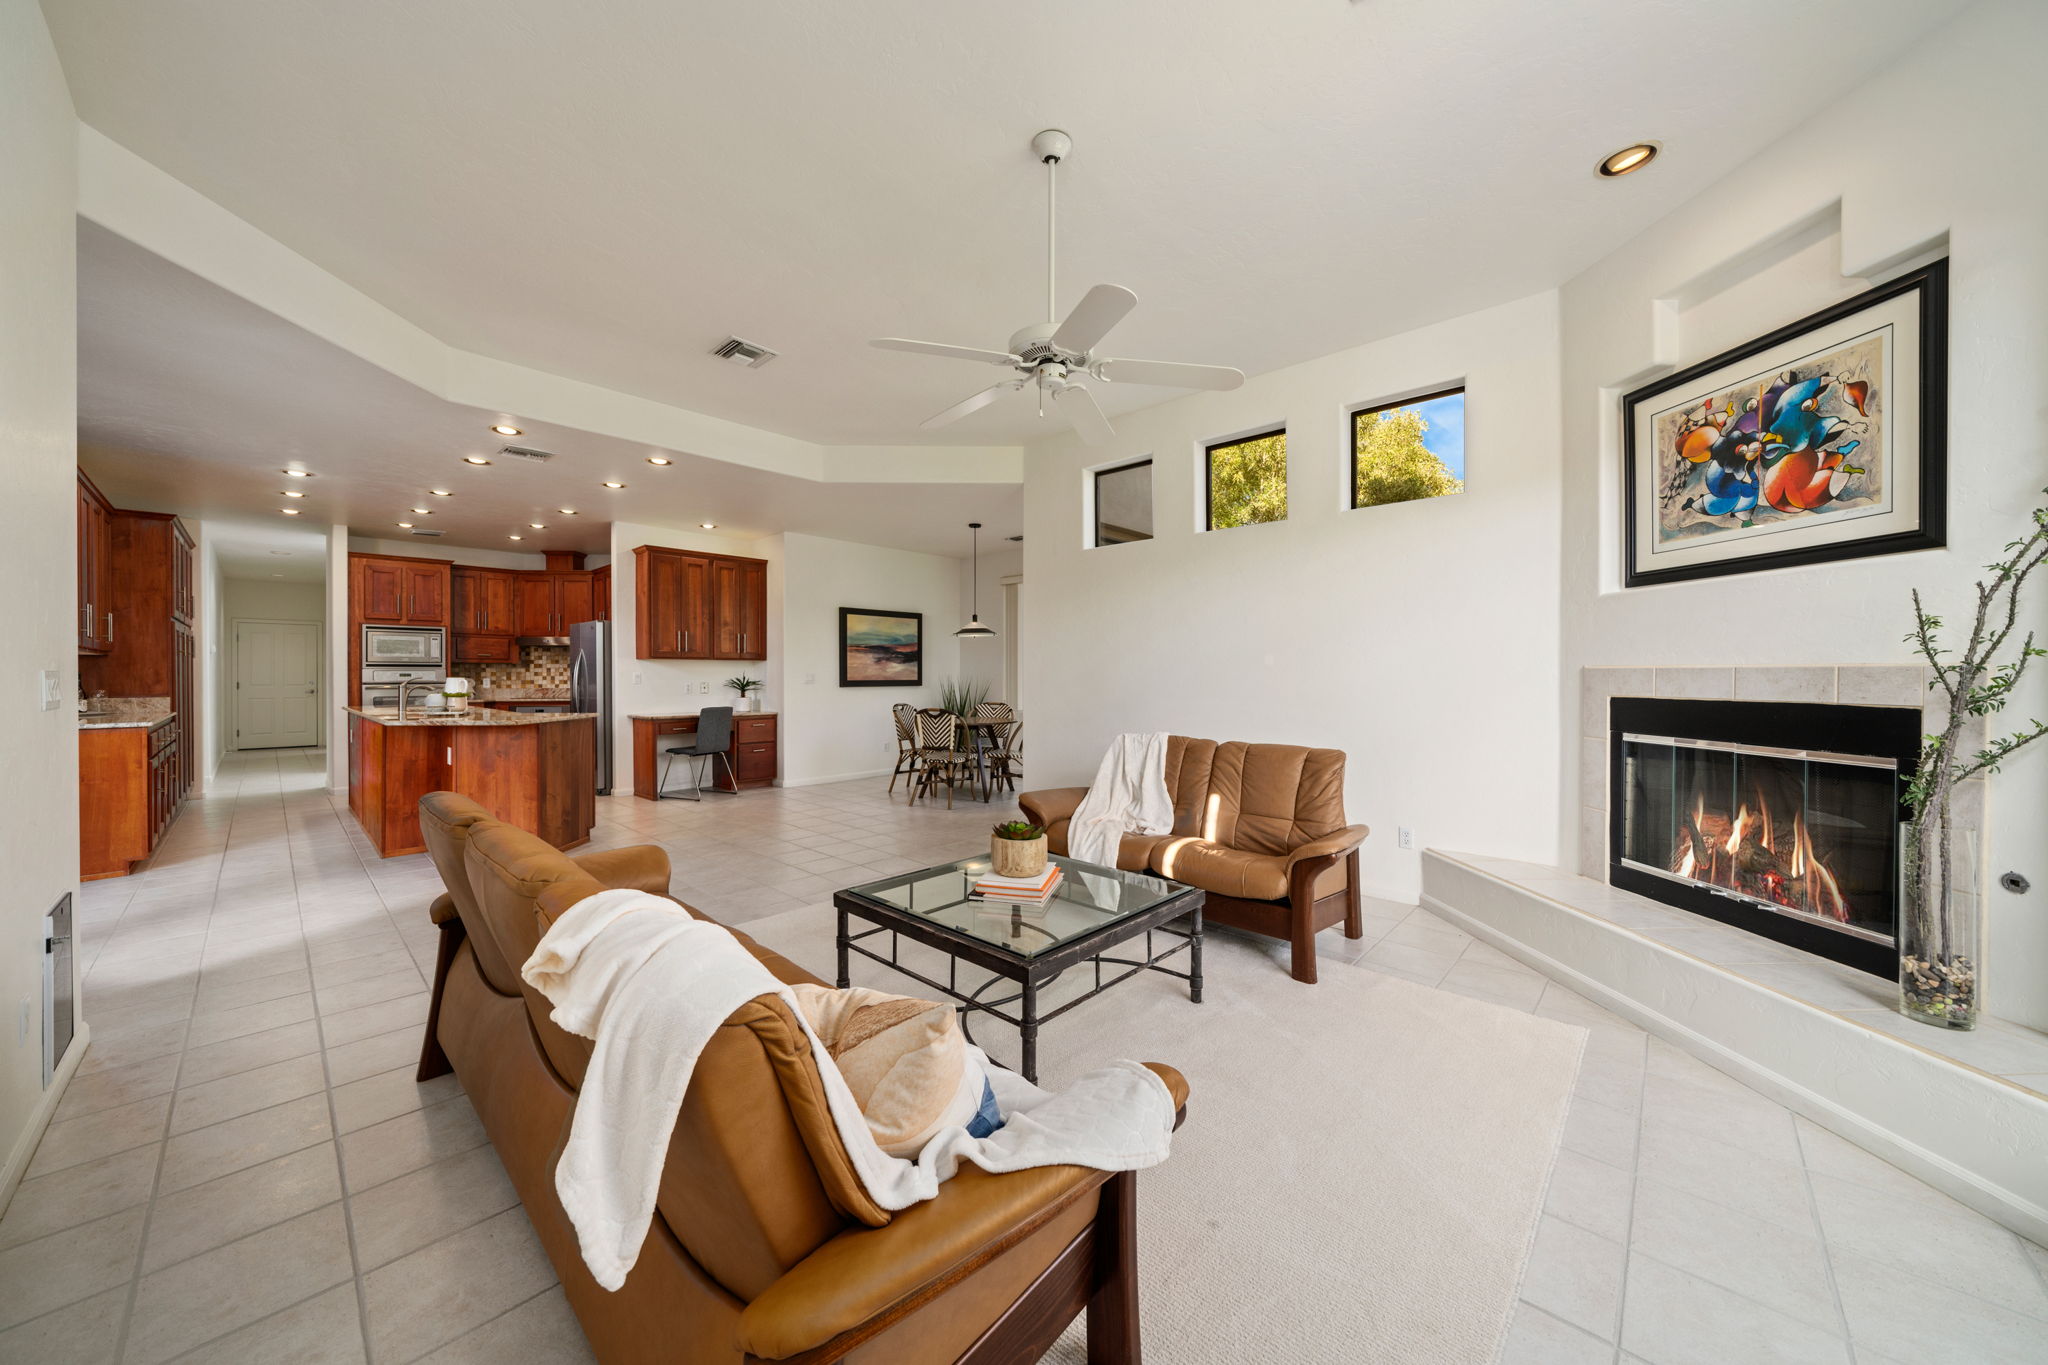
[(746, 687), (1017, 850)]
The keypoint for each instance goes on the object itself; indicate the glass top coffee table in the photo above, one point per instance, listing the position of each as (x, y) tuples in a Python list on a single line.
[(1092, 911)]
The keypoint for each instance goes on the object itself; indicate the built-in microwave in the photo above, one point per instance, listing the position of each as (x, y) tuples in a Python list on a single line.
[(401, 645)]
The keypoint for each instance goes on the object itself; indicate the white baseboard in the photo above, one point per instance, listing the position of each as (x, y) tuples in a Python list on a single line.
[(831, 778), (39, 1117)]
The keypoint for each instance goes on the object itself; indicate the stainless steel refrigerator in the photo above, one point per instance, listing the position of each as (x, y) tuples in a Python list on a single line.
[(590, 688)]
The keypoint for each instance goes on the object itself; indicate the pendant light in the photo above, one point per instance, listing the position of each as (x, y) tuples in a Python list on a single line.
[(974, 629)]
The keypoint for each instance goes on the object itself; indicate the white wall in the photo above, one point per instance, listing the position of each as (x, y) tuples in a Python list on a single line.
[(38, 452), (829, 732), (1419, 638), (981, 661), (337, 659), (670, 686), (258, 599), (1920, 153), (415, 548), (208, 639)]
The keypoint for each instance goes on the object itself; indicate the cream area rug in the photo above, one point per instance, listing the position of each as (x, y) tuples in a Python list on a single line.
[(1363, 1161)]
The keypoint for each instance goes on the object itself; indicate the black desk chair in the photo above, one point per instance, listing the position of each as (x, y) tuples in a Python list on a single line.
[(713, 738)]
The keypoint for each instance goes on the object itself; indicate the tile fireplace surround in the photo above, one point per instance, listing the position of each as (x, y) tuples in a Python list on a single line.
[(1965, 1112)]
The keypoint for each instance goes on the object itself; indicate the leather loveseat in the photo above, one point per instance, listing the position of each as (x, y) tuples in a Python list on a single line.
[(764, 1245), (1259, 827)]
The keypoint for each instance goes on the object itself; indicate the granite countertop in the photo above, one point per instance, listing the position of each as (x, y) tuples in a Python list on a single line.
[(128, 713), (688, 715), (472, 719)]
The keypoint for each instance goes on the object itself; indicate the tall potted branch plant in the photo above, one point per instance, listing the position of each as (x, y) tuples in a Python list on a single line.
[(1941, 927)]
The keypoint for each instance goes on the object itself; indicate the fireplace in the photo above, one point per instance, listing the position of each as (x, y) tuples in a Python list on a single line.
[(1782, 818)]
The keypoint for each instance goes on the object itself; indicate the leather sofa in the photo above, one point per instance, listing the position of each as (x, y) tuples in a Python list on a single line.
[(1259, 827), (764, 1245)]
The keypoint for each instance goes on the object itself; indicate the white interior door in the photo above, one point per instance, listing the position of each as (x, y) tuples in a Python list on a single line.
[(277, 684)]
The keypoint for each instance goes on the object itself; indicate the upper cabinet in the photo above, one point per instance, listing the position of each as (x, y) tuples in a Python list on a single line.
[(495, 607), (484, 601), (389, 590), (601, 593), (698, 606), (95, 570)]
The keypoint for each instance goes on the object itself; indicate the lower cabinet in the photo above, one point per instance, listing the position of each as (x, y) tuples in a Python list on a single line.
[(128, 794)]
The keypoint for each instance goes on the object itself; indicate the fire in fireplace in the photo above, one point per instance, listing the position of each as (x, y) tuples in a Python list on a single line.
[(1780, 818)]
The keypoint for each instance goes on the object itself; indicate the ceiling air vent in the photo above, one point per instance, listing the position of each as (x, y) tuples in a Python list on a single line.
[(429, 533), (528, 453), (743, 353)]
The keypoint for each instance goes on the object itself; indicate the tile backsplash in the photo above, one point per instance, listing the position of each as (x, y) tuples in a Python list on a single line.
[(540, 668)]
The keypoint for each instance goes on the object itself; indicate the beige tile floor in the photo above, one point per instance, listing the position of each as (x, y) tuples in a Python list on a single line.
[(244, 1169)]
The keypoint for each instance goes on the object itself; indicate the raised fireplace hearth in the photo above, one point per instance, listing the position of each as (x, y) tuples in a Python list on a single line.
[(1781, 818)]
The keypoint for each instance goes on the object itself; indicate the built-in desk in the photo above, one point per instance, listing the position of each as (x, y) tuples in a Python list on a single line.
[(752, 751)]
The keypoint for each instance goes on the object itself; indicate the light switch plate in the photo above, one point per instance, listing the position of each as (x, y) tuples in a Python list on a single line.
[(51, 696)]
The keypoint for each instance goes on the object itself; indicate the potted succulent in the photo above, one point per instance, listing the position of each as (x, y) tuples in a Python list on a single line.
[(746, 687), (1018, 849)]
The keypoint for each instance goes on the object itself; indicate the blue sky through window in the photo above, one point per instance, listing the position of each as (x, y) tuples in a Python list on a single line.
[(1445, 436)]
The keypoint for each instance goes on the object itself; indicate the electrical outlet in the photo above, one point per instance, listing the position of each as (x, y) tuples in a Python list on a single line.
[(639, 678), (51, 696), (1404, 837)]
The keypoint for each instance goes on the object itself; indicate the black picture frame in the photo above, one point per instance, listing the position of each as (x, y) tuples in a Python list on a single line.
[(1930, 376), (846, 656)]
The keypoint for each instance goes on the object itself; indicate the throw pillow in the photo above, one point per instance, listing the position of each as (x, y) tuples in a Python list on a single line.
[(905, 1062)]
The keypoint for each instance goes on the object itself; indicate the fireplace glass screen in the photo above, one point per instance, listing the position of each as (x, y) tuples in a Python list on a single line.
[(1806, 835)]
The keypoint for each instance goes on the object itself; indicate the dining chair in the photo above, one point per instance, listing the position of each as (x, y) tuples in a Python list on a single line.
[(713, 738), (905, 717), (939, 756), (1006, 762)]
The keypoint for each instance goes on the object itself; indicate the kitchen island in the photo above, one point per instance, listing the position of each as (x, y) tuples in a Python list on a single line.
[(538, 772)]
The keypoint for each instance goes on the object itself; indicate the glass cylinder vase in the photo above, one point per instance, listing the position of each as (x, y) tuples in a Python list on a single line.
[(1941, 931)]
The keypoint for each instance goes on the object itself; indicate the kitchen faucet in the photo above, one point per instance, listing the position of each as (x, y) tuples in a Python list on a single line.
[(405, 690)]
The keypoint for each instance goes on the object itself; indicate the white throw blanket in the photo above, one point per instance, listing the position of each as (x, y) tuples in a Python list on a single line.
[(1128, 797), (649, 982)]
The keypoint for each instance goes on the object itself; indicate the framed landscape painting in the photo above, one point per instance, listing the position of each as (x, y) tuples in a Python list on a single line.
[(880, 648), (1825, 440)]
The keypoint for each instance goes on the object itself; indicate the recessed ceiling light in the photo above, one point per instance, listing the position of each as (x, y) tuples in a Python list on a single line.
[(658, 459), (296, 474), (440, 492), (708, 525), (405, 526), (566, 511), (610, 484), (293, 493), (289, 511), (505, 429), (1632, 158), (537, 526), (474, 459), (277, 575), (423, 511), (282, 554), (515, 537)]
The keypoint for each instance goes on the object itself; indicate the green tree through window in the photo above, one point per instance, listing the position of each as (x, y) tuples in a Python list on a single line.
[(1395, 450), (1248, 481)]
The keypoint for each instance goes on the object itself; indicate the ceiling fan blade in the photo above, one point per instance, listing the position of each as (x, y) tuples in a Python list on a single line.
[(1100, 309), (1084, 415), (941, 348), (1169, 372), (967, 405)]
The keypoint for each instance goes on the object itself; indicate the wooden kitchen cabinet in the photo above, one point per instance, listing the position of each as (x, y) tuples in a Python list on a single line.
[(389, 590), (698, 606), (127, 795), (95, 569), (152, 653), (550, 603), (484, 601), (601, 594)]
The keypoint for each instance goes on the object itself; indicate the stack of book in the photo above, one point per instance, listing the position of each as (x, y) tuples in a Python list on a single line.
[(1023, 890)]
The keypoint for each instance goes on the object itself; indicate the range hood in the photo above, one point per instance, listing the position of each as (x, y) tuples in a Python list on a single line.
[(561, 640)]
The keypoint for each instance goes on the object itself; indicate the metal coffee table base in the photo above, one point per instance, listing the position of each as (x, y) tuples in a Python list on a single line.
[(1031, 975)]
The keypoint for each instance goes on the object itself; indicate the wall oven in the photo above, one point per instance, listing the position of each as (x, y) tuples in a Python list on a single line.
[(381, 685), (399, 646)]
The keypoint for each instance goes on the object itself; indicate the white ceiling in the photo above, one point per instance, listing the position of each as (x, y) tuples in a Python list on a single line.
[(193, 400), (606, 191)]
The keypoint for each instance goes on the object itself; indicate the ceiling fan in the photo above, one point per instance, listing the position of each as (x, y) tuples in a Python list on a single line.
[(1055, 356)]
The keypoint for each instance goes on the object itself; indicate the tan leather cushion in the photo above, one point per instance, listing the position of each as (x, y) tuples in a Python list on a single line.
[(1272, 798), (446, 819), (1189, 763), (1133, 853), (1226, 871)]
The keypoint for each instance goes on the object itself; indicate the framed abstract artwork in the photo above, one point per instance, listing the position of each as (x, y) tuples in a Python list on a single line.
[(1825, 440), (880, 648)]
